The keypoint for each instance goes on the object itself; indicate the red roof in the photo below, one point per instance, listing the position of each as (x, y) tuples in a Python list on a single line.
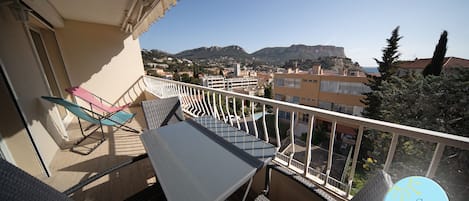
[(449, 62)]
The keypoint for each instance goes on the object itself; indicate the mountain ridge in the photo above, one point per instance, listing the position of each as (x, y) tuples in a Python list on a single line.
[(214, 52), (272, 55)]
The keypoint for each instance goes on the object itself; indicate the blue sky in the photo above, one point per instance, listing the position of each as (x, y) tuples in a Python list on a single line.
[(360, 26)]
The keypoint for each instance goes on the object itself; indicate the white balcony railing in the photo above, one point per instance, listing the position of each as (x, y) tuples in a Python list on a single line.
[(198, 101)]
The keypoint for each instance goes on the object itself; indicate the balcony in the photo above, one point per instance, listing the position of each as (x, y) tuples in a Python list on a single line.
[(324, 167), (305, 171)]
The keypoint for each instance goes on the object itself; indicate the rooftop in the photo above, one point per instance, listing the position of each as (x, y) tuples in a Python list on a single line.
[(449, 62)]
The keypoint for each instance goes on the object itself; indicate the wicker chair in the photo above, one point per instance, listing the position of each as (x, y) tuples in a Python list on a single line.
[(375, 188), (162, 112)]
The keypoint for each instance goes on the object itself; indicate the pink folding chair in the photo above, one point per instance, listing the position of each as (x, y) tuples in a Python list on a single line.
[(95, 101)]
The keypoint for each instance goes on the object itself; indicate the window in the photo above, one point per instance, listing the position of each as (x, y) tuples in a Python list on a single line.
[(279, 97), (347, 109), (293, 99), (357, 111), (279, 82), (292, 83), (354, 88), (325, 105), (342, 108), (297, 83), (296, 99)]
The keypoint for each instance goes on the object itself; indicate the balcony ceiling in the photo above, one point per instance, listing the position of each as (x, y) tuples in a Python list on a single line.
[(133, 16), (110, 12)]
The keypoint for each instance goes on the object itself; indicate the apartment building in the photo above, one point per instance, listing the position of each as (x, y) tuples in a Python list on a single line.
[(216, 82), (240, 82), (220, 82), (336, 92)]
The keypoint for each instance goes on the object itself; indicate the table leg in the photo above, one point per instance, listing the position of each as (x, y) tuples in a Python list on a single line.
[(247, 189)]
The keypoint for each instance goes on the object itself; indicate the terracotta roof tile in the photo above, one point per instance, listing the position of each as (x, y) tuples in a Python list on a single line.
[(449, 62)]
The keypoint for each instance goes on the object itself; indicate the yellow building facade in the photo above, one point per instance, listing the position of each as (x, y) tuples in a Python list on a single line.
[(333, 92)]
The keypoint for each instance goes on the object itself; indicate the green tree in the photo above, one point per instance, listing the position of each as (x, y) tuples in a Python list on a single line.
[(438, 103), (176, 76), (268, 91), (387, 67), (185, 78), (372, 151), (195, 71), (436, 65)]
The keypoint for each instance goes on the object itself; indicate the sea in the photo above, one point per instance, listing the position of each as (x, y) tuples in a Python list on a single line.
[(370, 69)]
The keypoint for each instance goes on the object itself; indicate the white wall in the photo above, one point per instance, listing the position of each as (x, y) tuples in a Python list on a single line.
[(100, 58), (23, 68)]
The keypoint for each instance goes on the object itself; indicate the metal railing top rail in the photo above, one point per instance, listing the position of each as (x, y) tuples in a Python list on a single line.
[(428, 135)]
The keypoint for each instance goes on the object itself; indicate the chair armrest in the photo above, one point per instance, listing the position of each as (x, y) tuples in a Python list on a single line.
[(104, 173)]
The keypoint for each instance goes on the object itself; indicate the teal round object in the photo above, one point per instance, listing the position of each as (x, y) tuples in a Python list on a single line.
[(416, 188)]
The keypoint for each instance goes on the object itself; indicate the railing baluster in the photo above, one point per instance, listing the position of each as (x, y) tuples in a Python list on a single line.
[(309, 138), (330, 151), (254, 121), (163, 90), (209, 106), (292, 137), (181, 98), (440, 148), (214, 106), (178, 93), (266, 134), (171, 88), (193, 103), (168, 89), (235, 113), (221, 108), (200, 102), (277, 132), (246, 128), (189, 98), (228, 111), (188, 101), (392, 150), (205, 103), (358, 143), (175, 89), (196, 104)]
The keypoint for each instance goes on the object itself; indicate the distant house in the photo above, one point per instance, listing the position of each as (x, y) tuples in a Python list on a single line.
[(157, 65), (417, 65), (187, 61)]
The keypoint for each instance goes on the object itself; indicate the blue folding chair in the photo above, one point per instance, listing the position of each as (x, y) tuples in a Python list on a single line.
[(118, 119)]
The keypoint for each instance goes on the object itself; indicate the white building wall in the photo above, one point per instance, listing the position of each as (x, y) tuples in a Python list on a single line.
[(24, 71), (100, 58)]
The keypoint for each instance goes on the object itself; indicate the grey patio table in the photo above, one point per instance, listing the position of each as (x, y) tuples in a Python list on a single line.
[(204, 158)]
